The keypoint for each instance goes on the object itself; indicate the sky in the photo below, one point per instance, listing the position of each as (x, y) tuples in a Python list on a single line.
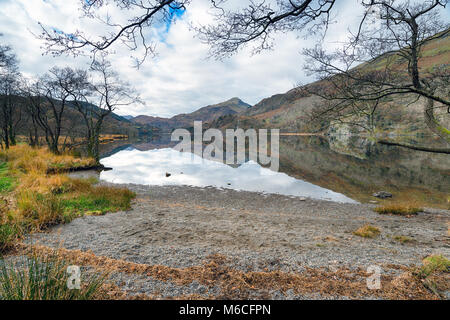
[(181, 78)]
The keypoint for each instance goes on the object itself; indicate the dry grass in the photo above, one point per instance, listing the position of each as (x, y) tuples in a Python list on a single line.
[(26, 159), (367, 231), (402, 209), (40, 199), (217, 271)]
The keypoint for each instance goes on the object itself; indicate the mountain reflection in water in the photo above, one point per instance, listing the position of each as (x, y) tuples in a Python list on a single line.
[(150, 168), (338, 169)]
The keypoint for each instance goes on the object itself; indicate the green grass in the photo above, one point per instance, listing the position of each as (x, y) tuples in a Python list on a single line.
[(7, 182), (37, 278), (96, 203)]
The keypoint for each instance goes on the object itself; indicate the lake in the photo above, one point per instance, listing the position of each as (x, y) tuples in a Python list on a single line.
[(343, 169)]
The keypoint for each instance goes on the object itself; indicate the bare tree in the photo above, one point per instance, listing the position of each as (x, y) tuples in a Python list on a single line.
[(53, 87), (133, 33), (34, 105), (260, 20), (231, 30), (10, 111), (96, 95), (393, 47)]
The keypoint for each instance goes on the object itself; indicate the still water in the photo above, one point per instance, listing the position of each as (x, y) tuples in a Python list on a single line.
[(345, 169), (169, 167)]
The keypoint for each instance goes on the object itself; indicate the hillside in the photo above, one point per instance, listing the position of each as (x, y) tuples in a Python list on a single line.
[(206, 114), (73, 125), (113, 124), (290, 111)]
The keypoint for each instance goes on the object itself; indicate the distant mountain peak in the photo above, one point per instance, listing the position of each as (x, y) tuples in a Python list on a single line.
[(237, 101), (205, 114)]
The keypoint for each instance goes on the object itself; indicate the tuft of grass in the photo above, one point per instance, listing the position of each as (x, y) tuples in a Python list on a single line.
[(367, 231), (398, 209), (39, 211), (8, 234), (44, 278), (434, 263), (403, 239)]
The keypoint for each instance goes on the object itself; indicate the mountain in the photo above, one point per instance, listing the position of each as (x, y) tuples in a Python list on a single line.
[(113, 124), (399, 114), (128, 117), (206, 114)]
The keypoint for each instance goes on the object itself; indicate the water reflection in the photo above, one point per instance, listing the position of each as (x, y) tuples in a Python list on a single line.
[(352, 166), (153, 167)]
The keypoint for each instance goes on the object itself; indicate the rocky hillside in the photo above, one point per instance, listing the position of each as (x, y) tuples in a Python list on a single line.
[(206, 114)]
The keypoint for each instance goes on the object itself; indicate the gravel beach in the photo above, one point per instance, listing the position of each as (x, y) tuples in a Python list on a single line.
[(182, 227)]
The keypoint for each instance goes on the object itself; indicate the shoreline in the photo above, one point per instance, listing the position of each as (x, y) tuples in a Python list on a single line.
[(182, 227)]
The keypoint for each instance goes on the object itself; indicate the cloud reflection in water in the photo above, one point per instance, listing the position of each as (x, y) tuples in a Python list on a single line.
[(150, 168)]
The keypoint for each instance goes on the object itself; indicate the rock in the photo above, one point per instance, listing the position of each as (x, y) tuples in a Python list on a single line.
[(383, 195), (168, 174), (373, 201), (302, 199)]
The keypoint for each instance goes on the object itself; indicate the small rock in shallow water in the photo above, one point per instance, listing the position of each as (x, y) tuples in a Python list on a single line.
[(383, 194)]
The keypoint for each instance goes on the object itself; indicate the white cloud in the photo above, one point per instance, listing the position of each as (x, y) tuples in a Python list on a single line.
[(180, 79)]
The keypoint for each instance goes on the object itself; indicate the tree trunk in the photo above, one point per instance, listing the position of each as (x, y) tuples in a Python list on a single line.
[(93, 145), (433, 123)]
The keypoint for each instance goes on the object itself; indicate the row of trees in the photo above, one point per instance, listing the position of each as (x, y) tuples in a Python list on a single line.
[(50, 107)]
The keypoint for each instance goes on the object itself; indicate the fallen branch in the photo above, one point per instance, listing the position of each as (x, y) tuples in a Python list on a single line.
[(97, 167), (419, 148)]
